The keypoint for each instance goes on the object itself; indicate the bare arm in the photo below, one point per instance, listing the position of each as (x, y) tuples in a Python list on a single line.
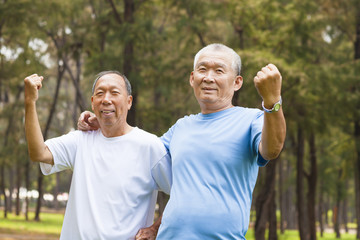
[(268, 83), (38, 151)]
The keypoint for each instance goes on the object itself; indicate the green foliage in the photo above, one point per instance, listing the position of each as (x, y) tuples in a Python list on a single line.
[(311, 42)]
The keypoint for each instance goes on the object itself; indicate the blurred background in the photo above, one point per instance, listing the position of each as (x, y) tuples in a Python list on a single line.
[(315, 183)]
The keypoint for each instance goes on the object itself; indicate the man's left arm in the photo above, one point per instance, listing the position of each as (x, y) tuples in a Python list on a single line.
[(268, 84)]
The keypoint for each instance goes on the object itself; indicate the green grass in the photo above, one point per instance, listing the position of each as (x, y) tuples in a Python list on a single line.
[(294, 235), (50, 223)]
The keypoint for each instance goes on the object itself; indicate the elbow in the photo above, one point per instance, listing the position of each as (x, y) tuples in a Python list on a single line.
[(273, 154), (40, 157), (35, 158)]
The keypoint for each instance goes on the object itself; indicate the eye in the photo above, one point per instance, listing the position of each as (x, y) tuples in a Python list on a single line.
[(219, 70), (100, 93), (202, 69)]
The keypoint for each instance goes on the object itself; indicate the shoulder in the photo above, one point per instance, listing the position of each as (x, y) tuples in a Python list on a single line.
[(140, 133), (186, 119), (146, 137), (73, 137), (149, 141), (248, 112)]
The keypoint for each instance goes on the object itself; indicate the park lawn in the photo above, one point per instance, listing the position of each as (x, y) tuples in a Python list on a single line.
[(50, 223), (294, 235)]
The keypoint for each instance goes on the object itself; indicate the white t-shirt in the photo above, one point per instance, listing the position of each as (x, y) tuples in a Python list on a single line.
[(114, 184)]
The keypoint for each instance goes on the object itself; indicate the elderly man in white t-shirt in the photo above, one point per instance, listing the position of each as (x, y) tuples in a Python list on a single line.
[(117, 169)]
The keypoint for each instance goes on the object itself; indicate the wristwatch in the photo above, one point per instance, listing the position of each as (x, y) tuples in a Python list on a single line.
[(275, 108)]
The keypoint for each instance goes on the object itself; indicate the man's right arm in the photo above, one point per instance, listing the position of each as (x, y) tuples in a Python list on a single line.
[(38, 151)]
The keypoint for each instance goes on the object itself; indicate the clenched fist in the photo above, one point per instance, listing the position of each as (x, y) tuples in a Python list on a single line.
[(268, 84), (32, 85)]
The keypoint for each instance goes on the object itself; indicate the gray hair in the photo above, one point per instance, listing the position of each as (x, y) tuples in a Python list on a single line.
[(236, 62), (99, 75)]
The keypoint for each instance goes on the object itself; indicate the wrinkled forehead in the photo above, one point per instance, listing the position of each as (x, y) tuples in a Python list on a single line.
[(110, 79), (214, 58)]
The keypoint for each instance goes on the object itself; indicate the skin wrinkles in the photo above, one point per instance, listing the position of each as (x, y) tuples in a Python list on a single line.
[(214, 81), (110, 104)]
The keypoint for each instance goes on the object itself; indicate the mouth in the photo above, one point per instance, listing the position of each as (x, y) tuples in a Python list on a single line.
[(107, 112), (208, 89)]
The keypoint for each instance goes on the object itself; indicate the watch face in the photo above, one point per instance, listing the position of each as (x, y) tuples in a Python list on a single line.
[(277, 107)]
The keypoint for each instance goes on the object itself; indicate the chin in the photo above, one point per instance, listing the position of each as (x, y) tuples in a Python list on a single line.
[(208, 100)]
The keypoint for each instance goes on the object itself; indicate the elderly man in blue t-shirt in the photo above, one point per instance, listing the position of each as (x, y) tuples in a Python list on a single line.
[(217, 152)]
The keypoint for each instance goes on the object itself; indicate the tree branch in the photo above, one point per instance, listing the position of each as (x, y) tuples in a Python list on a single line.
[(116, 14)]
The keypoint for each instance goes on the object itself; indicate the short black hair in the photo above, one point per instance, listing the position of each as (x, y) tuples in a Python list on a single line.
[(103, 73)]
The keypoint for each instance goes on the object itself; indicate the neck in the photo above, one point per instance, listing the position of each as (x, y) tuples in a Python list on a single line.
[(116, 131), (210, 109)]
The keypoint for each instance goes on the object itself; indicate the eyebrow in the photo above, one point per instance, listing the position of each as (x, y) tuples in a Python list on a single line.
[(101, 88), (204, 63)]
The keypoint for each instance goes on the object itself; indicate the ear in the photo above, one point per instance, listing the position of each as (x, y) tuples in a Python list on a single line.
[(238, 82), (191, 80), (129, 101), (92, 103)]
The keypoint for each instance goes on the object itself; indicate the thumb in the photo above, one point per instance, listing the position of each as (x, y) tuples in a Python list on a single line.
[(91, 119)]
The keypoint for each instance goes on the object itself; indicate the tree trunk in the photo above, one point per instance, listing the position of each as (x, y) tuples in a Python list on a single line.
[(326, 211), (11, 189), (336, 213), (357, 197), (272, 214), (344, 210), (128, 54), (321, 210), (357, 125), (56, 191), (261, 210), (18, 185), (290, 218), (263, 200), (302, 220), (39, 200), (2, 172), (79, 98), (27, 186), (281, 196), (128, 69), (312, 180)]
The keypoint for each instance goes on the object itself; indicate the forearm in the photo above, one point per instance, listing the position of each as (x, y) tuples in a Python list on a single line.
[(38, 151), (273, 135), (157, 223)]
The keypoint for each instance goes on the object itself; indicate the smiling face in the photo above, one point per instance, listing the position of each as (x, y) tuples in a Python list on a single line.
[(111, 102), (214, 81)]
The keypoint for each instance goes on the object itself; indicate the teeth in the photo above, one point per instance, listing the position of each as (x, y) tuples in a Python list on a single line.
[(106, 111)]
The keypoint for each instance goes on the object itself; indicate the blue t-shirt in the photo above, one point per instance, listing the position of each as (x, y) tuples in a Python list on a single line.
[(215, 164)]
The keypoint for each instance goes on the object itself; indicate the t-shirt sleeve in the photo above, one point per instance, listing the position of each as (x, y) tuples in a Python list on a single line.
[(63, 149), (256, 130), (166, 138), (162, 174)]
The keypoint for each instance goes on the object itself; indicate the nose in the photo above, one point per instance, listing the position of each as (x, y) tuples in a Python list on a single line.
[(209, 77), (107, 98)]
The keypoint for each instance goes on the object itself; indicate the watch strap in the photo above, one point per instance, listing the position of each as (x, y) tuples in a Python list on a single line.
[(275, 108)]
